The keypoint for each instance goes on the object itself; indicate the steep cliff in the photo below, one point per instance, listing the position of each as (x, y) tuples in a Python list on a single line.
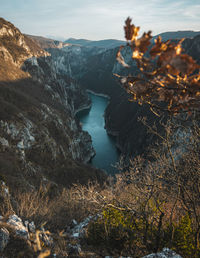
[(40, 139)]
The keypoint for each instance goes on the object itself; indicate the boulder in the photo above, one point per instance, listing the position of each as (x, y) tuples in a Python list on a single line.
[(166, 253), (15, 222)]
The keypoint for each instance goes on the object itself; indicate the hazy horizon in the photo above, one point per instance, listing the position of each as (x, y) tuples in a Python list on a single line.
[(98, 20)]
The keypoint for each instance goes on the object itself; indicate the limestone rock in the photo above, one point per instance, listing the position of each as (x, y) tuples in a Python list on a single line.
[(4, 142), (166, 253), (18, 226)]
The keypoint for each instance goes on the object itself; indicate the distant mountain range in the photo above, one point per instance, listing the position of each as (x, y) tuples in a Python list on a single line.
[(106, 43), (178, 34), (113, 43)]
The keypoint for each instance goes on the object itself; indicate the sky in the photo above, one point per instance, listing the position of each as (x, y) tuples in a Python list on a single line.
[(99, 19)]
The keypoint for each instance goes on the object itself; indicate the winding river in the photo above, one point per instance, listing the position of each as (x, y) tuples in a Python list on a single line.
[(92, 121)]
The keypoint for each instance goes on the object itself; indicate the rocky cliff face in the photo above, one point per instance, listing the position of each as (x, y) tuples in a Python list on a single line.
[(40, 138)]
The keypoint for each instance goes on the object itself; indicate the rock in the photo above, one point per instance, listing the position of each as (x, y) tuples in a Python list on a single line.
[(18, 226), (5, 197), (20, 144), (4, 142), (4, 238), (119, 256), (78, 230), (166, 253), (74, 249), (46, 238), (30, 226), (73, 224), (4, 191)]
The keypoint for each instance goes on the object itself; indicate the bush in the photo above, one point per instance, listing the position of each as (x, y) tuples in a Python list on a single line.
[(184, 237)]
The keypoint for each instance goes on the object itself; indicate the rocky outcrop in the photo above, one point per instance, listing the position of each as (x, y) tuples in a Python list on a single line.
[(45, 43), (22, 237), (166, 253), (15, 46)]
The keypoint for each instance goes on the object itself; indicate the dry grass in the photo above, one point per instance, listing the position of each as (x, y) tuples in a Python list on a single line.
[(34, 204), (57, 211)]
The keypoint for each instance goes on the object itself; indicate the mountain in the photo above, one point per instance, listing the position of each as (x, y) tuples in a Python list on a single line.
[(40, 139), (178, 34), (82, 42), (113, 43), (58, 38), (107, 43), (47, 42), (192, 47)]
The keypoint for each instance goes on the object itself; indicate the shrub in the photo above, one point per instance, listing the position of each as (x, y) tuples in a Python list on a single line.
[(184, 237)]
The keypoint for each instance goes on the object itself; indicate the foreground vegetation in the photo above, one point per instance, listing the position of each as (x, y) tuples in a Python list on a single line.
[(154, 204)]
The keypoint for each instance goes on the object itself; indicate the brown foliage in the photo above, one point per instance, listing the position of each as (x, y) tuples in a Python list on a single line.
[(166, 75)]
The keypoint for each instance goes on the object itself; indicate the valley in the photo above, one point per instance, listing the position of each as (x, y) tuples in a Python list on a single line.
[(65, 122)]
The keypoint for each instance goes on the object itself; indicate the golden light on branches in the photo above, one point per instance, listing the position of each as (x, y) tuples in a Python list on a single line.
[(166, 74)]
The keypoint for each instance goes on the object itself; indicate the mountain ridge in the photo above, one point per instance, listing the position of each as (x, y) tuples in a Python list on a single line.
[(178, 34), (105, 43), (45, 42)]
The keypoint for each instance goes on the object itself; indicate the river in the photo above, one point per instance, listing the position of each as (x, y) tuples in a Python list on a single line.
[(92, 121)]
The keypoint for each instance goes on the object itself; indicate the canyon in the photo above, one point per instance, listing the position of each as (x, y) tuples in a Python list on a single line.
[(46, 177), (94, 69), (42, 86)]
